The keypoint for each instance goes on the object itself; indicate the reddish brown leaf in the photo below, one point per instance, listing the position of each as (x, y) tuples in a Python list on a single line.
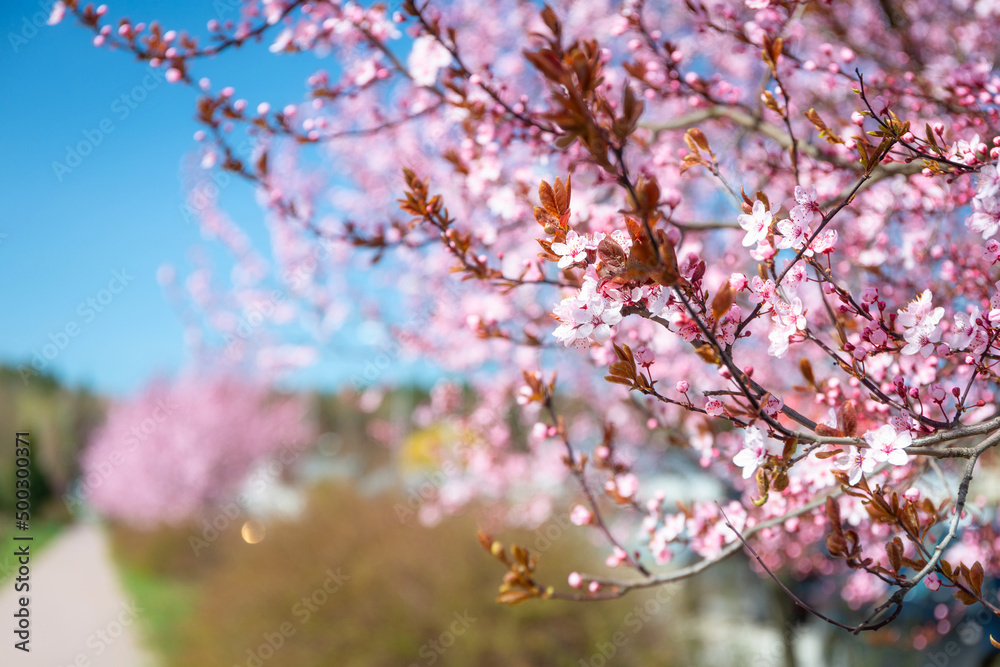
[(833, 513), (807, 371), (548, 198), (847, 419), (622, 369), (562, 195), (965, 598), (514, 597), (722, 301), (894, 550), (976, 577), (484, 539)]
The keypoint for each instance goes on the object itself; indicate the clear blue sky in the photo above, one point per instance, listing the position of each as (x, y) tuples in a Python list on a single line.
[(119, 209)]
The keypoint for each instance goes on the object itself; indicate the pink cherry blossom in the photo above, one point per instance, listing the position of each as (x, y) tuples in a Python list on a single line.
[(572, 252), (714, 407), (921, 325), (859, 461), (426, 59), (754, 452), (586, 316), (757, 223), (888, 446)]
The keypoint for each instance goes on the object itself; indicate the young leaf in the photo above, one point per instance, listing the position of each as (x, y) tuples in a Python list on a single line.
[(722, 301)]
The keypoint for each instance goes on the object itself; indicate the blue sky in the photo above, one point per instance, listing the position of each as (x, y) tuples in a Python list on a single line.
[(81, 245)]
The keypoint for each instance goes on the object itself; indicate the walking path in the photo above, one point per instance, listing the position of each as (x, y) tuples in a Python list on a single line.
[(79, 614)]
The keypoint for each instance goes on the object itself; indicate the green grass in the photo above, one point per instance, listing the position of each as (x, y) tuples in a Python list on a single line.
[(165, 603)]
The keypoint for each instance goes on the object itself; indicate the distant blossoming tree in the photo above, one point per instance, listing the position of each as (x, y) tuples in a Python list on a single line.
[(177, 448), (753, 238)]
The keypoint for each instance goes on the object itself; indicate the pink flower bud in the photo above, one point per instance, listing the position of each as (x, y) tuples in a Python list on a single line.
[(616, 558), (683, 387), (581, 516), (575, 580), (58, 12), (644, 356), (173, 75)]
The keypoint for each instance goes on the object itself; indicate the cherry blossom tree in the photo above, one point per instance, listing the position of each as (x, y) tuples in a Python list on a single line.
[(177, 448), (756, 237)]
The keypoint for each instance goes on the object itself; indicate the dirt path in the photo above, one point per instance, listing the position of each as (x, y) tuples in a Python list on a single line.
[(79, 614)]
